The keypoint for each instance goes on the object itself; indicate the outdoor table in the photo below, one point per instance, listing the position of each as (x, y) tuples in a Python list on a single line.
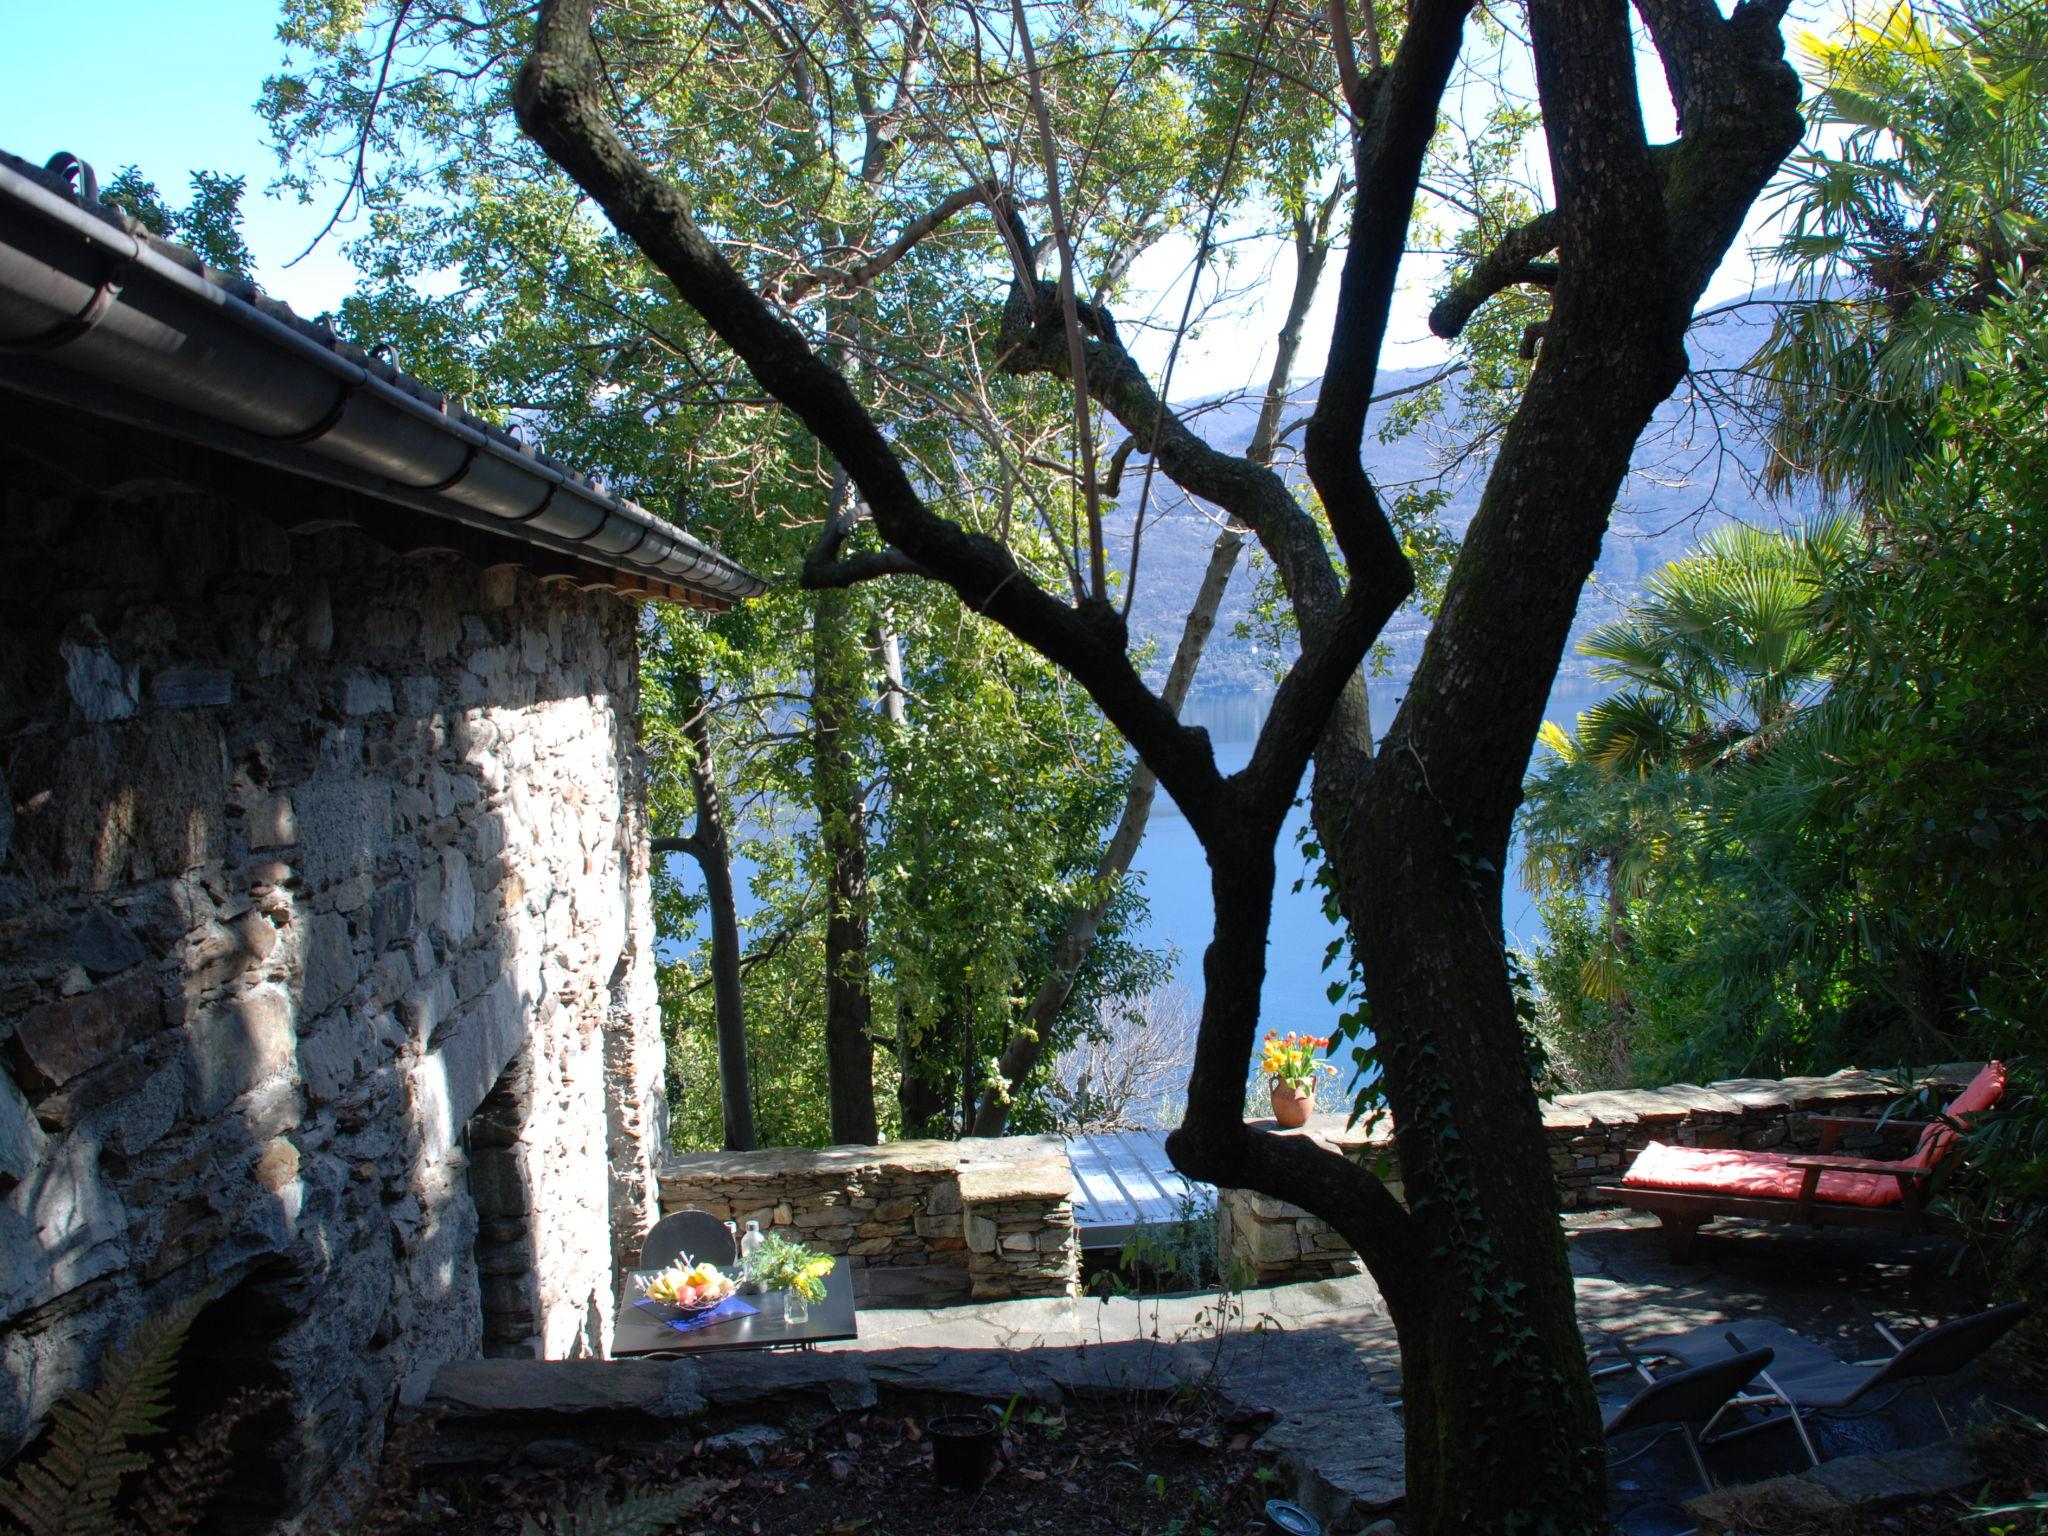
[(640, 1332)]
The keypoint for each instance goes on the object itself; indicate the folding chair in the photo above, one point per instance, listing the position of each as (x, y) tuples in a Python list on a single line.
[(698, 1233), (1688, 1400), (1807, 1379)]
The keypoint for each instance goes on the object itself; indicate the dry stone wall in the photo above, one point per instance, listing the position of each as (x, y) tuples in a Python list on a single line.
[(1592, 1138), (325, 957), (918, 1223)]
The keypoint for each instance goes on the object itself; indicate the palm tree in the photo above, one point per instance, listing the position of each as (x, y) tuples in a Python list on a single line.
[(1729, 647), (1726, 647), (1927, 212)]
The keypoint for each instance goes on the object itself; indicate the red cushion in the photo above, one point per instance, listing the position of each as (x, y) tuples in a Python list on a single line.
[(1722, 1171), (1984, 1091)]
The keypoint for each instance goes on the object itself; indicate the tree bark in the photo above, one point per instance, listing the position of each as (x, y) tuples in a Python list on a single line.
[(735, 1078), (836, 692), (710, 845)]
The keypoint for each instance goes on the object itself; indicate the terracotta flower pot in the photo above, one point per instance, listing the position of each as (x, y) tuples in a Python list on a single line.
[(1290, 1105)]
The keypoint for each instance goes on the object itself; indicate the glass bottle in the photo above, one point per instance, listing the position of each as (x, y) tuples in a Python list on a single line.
[(795, 1309)]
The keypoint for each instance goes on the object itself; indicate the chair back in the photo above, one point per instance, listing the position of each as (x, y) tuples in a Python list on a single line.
[(1945, 1350), (698, 1233), (1985, 1090), (1690, 1397)]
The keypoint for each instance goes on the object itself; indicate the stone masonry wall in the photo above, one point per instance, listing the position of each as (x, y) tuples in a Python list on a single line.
[(1592, 1138), (307, 851), (918, 1223)]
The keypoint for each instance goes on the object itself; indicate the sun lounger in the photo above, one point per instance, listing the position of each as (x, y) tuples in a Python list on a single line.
[(1807, 1379), (1688, 1186), (1689, 1400)]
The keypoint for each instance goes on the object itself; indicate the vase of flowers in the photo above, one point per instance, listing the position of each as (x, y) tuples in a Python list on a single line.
[(1290, 1064), (791, 1268)]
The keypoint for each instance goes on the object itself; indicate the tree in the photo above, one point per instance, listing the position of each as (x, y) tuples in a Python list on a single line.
[(210, 222), (1946, 778), (1927, 210), (1473, 1268), (710, 844), (557, 326), (1719, 931)]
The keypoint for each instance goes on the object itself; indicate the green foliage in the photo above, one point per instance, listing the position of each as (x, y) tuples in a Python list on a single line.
[(1918, 210), (107, 1470), (782, 1265), (210, 222), (1181, 1252), (643, 1514), (1829, 847), (1950, 626)]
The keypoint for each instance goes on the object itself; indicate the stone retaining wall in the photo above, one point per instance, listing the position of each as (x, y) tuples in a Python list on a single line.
[(919, 1223), (1592, 1139)]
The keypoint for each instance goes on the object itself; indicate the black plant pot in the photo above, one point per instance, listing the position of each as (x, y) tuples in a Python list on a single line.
[(964, 1449)]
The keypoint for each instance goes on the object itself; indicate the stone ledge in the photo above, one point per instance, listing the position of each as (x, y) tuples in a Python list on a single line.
[(895, 1157), (1835, 1494), (568, 1389), (483, 1406), (997, 1170)]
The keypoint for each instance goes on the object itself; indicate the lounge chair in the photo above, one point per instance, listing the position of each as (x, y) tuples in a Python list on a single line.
[(1689, 1400), (1685, 1187), (1809, 1380)]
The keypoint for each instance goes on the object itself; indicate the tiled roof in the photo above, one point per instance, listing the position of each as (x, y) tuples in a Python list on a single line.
[(99, 315)]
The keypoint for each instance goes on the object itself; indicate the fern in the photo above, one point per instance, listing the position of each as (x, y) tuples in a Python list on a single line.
[(70, 1489), (183, 1480), (646, 1514)]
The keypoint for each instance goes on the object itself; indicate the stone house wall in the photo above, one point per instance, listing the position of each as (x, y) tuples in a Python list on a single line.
[(1592, 1138), (918, 1223), (324, 930)]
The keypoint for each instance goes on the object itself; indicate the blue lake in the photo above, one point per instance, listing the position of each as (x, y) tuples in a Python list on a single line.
[(1176, 876)]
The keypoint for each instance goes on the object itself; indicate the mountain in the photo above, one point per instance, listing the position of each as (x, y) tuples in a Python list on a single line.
[(1692, 472)]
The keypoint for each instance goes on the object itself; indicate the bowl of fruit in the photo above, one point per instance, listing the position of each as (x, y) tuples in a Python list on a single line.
[(687, 1285)]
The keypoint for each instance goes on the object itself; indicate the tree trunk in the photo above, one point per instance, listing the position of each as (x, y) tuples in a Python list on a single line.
[(928, 1061), (836, 692), (714, 857), (1493, 1363), (711, 847)]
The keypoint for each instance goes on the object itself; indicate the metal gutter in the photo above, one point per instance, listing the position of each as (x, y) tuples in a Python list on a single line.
[(96, 315)]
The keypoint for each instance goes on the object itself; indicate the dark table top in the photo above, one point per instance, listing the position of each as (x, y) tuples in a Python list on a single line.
[(639, 1330)]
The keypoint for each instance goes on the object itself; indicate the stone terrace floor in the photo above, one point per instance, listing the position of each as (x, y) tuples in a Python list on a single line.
[(1338, 1427)]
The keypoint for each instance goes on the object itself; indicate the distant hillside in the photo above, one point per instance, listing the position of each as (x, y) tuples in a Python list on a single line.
[(1689, 478)]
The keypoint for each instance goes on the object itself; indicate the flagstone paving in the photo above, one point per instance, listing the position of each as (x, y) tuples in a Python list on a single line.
[(1311, 1370), (1322, 1360)]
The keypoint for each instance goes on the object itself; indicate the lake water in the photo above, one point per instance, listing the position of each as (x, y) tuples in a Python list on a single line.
[(1176, 876)]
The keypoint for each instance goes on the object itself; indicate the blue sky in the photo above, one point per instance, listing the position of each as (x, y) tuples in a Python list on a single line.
[(170, 89), (173, 89)]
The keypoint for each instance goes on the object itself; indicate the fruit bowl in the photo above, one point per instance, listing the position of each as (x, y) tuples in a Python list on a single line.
[(688, 1286)]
